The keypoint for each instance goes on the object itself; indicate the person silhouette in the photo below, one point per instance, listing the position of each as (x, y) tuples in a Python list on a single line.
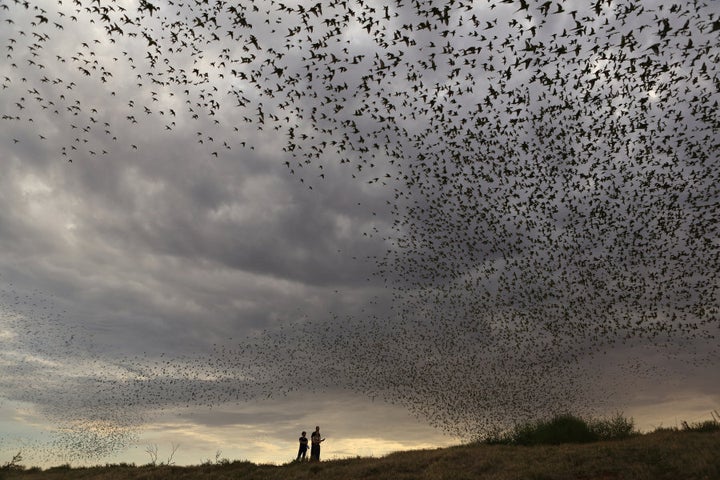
[(315, 439), (302, 451)]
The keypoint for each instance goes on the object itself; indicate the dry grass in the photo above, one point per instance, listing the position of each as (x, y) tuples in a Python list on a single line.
[(661, 455)]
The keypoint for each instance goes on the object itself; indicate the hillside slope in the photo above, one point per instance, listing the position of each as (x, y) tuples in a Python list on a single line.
[(660, 455)]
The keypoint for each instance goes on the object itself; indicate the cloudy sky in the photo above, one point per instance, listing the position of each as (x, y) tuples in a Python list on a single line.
[(408, 224)]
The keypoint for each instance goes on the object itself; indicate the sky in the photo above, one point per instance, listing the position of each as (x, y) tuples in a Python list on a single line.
[(411, 223)]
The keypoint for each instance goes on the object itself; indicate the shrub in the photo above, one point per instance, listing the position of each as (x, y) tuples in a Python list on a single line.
[(706, 426), (614, 428), (560, 429), (565, 429), (14, 464)]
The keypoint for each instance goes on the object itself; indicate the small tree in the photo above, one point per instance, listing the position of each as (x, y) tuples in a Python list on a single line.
[(153, 451)]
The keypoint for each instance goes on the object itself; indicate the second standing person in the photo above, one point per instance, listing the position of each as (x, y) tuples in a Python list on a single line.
[(315, 441)]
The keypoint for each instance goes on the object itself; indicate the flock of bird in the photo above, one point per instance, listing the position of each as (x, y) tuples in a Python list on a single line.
[(553, 169)]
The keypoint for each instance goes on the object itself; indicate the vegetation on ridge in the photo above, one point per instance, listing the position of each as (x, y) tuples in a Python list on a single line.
[(536, 451)]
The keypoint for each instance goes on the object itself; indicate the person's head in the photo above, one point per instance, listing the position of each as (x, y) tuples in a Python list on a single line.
[(304, 433), (317, 429)]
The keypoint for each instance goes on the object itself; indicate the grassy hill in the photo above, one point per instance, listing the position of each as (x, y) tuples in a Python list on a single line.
[(668, 455)]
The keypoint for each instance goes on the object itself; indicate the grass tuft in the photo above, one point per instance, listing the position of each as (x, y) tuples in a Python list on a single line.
[(707, 426)]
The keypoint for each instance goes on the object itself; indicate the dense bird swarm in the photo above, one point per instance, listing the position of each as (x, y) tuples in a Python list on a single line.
[(553, 169)]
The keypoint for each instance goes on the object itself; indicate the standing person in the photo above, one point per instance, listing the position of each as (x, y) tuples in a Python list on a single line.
[(303, 447), (316, 439)]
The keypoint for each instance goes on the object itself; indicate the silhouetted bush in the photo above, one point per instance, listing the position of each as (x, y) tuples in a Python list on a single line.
[(706, 426), (565, 428), (14, 464), (613, 428), (560, 429)]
